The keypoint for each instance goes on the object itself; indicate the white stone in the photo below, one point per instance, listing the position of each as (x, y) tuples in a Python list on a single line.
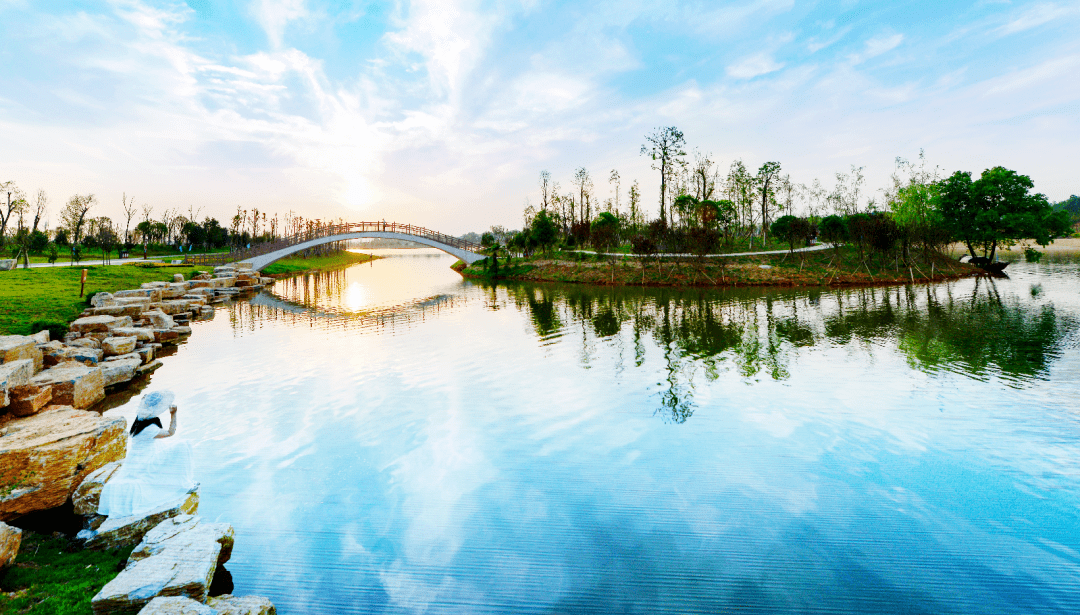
[(176, 605), (42, 337), (10, 539), (178, 277), (14, 374), (102, 300), (120, 370), (177, 558), (7, 264), (88, 493), (113, 346), (159, 319), (241, 605), (142, 334)]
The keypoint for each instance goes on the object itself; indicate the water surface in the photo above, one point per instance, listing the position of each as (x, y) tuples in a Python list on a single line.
[(393, 439)]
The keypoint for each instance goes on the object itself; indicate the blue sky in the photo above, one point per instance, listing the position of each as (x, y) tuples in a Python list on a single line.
[(443, 113)]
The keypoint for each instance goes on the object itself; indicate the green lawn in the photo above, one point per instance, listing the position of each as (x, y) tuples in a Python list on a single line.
[(52, 576), (29, 296)]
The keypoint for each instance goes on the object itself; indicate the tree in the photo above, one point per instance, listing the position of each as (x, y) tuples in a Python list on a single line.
[(41, 205), (129, 213), (16, 204), (834, 231), (605, 235), (766, 176), (145, 232), (74, 215), (544, 230), (545, 190), (997, 209), (585, 184), (665, 147), (685, 206), (616, 181), (784, 230)]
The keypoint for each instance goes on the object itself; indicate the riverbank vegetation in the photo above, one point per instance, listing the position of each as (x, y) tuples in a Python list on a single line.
[(311, 264), (54, 576), (900, 234), (40, 298)]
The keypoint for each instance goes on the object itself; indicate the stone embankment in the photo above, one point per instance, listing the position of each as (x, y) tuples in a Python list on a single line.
[(55, 449)]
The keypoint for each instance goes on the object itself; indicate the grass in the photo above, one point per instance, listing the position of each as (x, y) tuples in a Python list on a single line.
[(51, 294), (53, 576), (298, 264), (94, 254), (819, 268)]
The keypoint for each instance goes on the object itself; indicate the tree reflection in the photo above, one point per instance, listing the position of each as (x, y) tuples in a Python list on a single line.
[(965, 327)]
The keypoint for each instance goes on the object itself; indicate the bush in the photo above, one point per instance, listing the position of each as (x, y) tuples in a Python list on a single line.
[(57, 330), (1032, 255)]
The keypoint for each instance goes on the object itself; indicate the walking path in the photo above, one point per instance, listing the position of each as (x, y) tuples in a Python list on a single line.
[(820, 246), (112, 261)]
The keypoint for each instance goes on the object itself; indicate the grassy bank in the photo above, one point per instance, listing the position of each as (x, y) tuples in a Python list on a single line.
[(53, 576), (820, 268), (294, 265), (51, 294)]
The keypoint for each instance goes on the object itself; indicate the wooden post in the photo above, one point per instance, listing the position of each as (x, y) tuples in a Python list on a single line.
[(82, 282)]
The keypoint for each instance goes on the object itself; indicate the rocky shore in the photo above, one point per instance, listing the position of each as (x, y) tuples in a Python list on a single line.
[(56, 450)]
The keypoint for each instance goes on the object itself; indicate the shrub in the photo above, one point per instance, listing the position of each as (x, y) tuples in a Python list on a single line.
[(57, 330)]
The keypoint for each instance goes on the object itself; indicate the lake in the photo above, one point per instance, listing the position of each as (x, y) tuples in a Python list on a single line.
[(391, 438)]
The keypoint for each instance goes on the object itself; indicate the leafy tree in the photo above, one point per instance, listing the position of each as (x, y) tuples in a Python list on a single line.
[(38, 241), (74, 215), (605, 235), (487, 240), (53, 253), (997, 209), (61, 237), (665, 147), (834, 231), (685, 206), (784, 230)]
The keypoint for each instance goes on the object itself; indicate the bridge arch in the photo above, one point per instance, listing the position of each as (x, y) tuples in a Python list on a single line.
[(261, 261)]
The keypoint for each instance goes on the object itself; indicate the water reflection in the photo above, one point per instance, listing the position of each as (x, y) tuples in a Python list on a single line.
[(547, 448)]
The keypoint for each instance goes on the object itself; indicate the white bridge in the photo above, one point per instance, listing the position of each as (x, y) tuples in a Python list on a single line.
[(263, 254)]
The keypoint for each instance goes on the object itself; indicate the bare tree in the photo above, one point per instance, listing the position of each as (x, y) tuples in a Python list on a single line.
[(665, 147), (767, 176), (584, 183), (41, 206), (704, 177), (16, 204), (616, 181), (545, 190), (129, 213)]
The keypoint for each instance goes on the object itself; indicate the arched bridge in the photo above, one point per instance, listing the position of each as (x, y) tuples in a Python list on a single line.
[(263, 254)]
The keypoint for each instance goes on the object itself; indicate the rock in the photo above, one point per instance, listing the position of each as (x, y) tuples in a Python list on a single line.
[(29, 399), (178, 277), (132, 310), (176, 605), (120, 370), (88, 493), (121, 357), (177, 558), (14, 374), (102, 300), (150, 294), (126, 531), (118, 345), (142, 334), (181, 330), (16, 347), (159, 319), (73, 384), (55, 353), (206, 312), (166, 335), (45, 456), (241, 605), (149, 367), (42, 337), (266, 281), (84, 342), (206, 292), (103, 324), (7, 264), (10, 539), (175, 306), (146, 353)]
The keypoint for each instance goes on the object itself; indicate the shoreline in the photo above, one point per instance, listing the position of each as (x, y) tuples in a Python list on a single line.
[(316, 264), (807, 269)]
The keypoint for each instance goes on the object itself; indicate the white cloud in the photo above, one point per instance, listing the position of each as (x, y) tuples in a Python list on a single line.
[(877, 46), (274, 16), (1038, 15), (753, 66)]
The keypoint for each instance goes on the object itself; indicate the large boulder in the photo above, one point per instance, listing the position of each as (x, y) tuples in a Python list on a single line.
[(73, 384), (55, 353), (241, 605), (29, 399), (88, 493), (113, 346), (7, 264), (102, 324), (120, 370), (14, 374), (45, 456), (112, 533), (159, 319), (17, 347), (142, 334), (102, 300), (176, 605), (177, 558), (10, 539), (149, 294)]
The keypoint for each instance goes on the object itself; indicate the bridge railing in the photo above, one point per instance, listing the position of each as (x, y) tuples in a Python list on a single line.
[(329, 231)]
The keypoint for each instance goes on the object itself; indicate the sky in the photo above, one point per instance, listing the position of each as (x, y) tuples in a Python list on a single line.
[(442, 114)]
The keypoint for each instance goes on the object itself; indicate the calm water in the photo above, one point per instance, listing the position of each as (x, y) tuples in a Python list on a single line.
[(393, 439)]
